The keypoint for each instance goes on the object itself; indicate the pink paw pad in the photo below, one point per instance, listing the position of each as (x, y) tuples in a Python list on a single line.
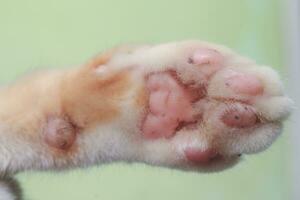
[(209, 57), (169, 105), (59, 133), (200, 156), (244, 83), (240, 117)]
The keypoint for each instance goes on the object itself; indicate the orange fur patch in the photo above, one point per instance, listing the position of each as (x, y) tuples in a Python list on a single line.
[(142, 96), (89, 100)]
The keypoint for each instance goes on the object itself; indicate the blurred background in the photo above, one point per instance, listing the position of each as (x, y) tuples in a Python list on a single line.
[(38, 34)]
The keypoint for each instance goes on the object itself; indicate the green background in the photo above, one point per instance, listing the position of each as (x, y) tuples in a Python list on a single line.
[(38, 34)]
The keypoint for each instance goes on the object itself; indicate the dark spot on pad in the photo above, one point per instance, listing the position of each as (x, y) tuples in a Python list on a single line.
[(190, 61)]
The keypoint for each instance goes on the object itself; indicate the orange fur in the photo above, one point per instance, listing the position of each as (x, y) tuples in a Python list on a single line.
[(89, 100), (24, 105), (141, 99)]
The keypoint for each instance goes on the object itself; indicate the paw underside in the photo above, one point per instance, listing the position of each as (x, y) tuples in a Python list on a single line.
[(205, 105)]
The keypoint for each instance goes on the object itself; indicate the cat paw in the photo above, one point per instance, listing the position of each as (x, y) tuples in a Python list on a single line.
[(207, 105), (189, 105)]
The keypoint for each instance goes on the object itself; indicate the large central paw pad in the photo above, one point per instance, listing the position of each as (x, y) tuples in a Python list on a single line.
[(169, 105)]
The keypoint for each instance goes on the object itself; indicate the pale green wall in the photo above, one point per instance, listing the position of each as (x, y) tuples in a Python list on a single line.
[(56, 33)]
